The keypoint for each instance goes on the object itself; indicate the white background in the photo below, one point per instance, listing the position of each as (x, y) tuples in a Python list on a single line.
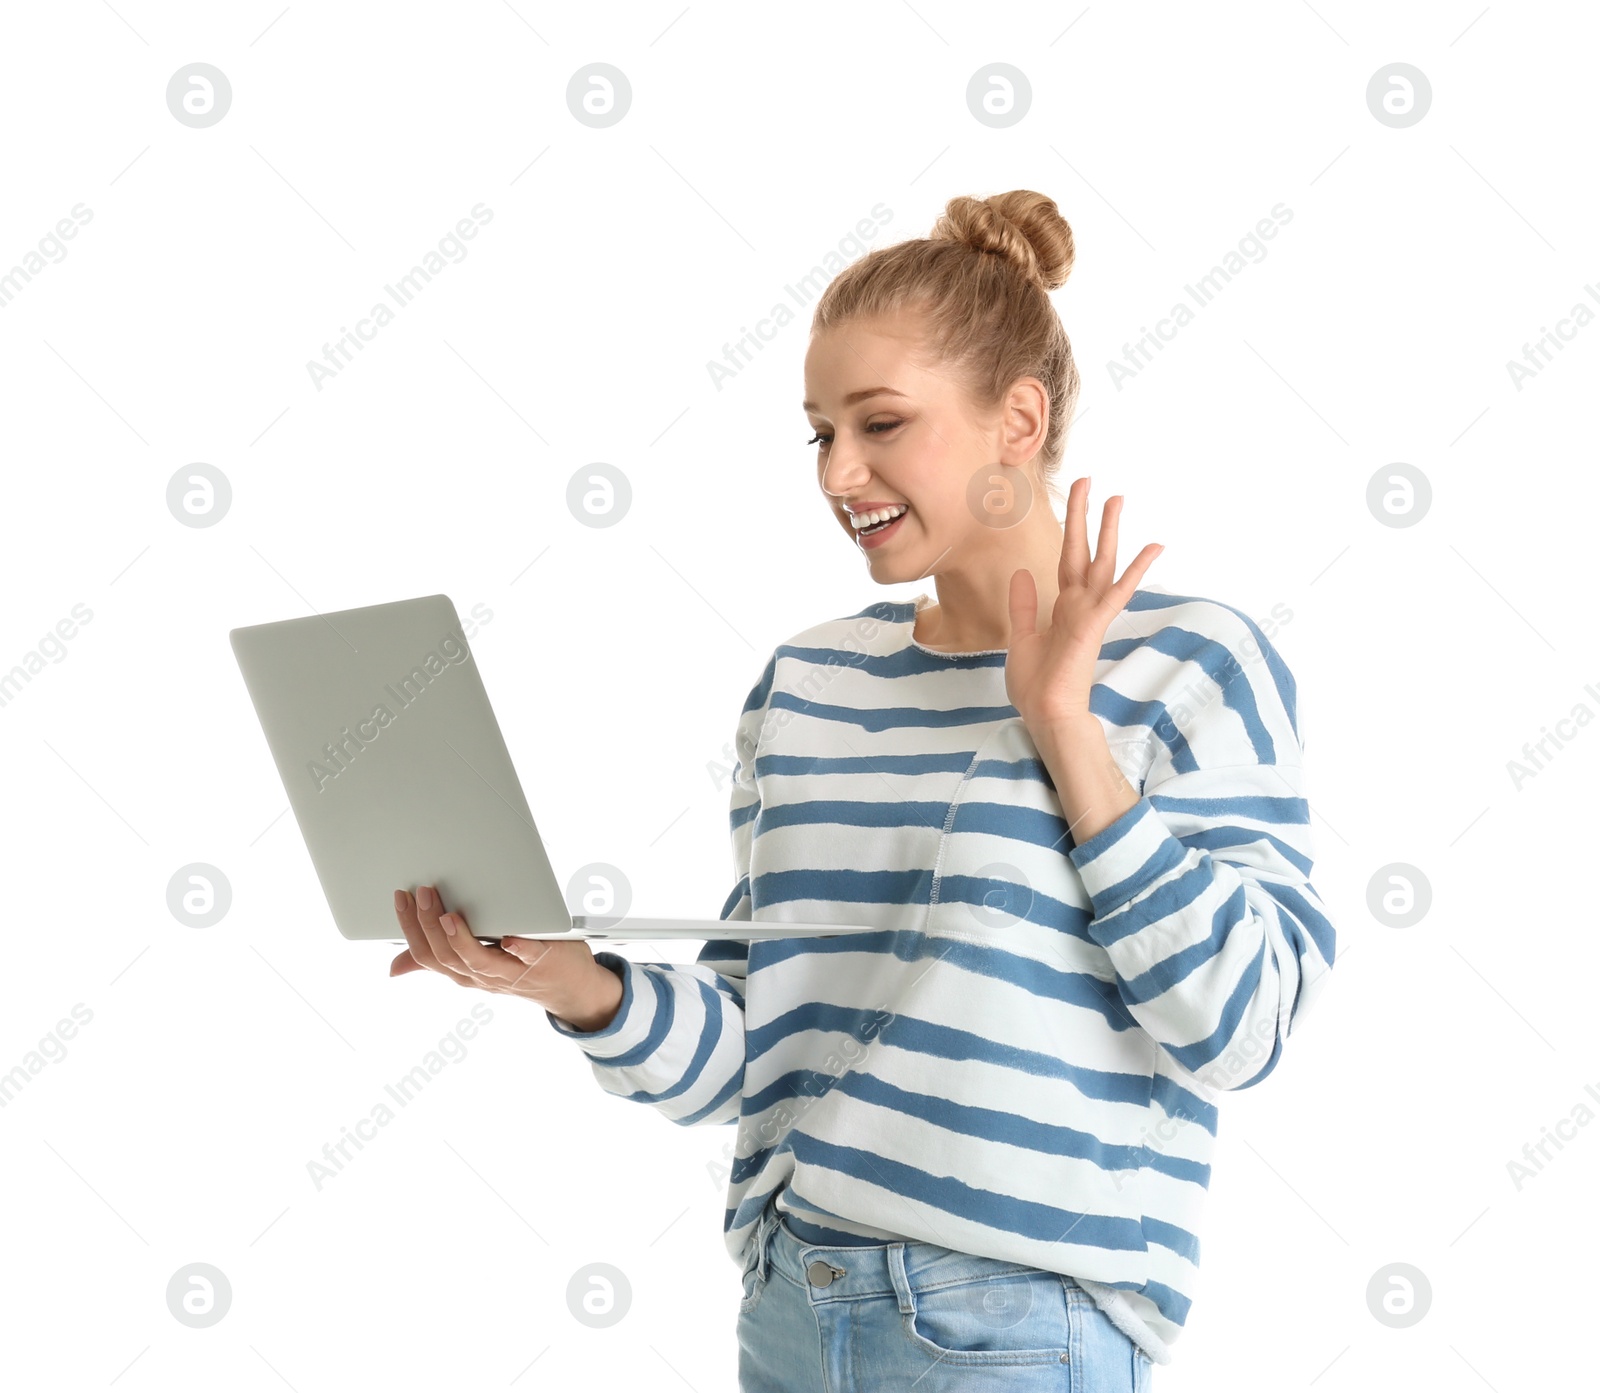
[(578, 329)]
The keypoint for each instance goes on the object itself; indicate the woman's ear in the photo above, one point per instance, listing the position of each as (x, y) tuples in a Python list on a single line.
[(1026, 419)]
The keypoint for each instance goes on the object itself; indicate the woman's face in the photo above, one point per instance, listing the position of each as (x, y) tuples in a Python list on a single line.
[(896, 430)]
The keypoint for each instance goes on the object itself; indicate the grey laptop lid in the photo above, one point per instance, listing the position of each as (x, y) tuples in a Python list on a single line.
[(398, 776)]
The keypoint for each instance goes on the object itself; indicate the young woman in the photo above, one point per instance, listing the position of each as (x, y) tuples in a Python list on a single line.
[(976, 1141)]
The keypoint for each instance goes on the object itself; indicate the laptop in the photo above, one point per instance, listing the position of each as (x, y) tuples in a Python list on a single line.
[(394, 765)]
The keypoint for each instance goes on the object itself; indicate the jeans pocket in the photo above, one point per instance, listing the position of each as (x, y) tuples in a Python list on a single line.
[(753, 1287), (1019, 1317)]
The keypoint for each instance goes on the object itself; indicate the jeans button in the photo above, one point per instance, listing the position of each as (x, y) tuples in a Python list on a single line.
[(820, 1273)]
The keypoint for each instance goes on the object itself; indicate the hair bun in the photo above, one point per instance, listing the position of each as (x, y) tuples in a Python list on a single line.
[(1023, 226)]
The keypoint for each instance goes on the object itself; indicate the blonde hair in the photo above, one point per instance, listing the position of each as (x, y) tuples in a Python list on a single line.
[(979, 283)]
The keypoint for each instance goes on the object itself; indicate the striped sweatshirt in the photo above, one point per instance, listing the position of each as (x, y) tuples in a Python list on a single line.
[(1022, 1058)]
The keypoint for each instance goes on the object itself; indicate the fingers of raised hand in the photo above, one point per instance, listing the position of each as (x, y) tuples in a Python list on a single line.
[(1077, 567), (1136, 569), (1103, 569), (1075, 540)]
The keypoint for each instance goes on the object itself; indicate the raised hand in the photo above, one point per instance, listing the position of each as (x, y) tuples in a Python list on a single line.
[(1049, 672)]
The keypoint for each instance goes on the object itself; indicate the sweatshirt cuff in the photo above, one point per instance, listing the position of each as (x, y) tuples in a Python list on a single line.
[(1124, 859), (631, 1020)]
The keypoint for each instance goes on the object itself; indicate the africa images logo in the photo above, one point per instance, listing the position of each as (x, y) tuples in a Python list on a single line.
[(338, 755)]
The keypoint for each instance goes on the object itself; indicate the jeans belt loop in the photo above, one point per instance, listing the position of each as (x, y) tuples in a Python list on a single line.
[(897, 1275), (769, 1223)]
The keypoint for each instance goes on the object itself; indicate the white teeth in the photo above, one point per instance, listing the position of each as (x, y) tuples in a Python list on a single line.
[(860, 520)]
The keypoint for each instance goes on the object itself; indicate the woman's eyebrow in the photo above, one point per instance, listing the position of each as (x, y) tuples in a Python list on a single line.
[(854, 397)]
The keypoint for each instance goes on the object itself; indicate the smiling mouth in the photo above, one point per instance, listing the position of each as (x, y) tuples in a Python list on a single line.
[(870, 537)]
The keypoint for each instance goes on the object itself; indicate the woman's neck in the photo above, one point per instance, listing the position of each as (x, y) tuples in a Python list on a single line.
[(973, 613)]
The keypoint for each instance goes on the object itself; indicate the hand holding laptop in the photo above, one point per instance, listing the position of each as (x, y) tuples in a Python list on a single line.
[(560, 975)]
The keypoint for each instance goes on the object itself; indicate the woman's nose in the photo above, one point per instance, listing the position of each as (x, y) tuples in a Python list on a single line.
[(842, 475)]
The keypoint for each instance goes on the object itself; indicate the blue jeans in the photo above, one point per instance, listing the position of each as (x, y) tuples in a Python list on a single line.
[(913, 1316)]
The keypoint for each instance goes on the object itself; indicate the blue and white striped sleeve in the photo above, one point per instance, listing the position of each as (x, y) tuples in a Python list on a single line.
[(1201, 891), (677, 1039)]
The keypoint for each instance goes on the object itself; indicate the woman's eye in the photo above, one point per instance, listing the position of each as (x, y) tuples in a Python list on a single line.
[(880, 426)]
